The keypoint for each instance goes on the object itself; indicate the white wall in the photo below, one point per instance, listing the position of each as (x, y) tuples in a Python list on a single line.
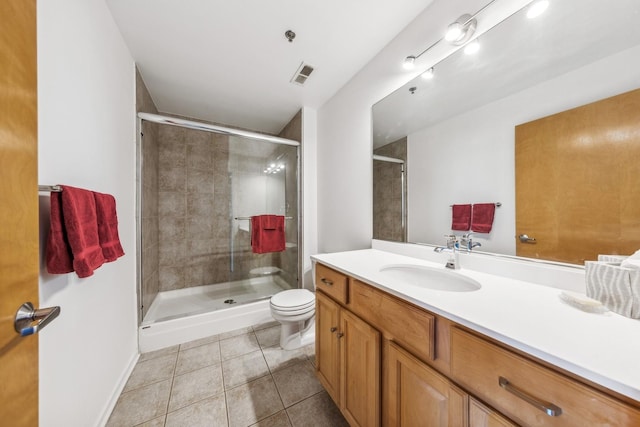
[(344, 122), (86, 117), (479, 148)]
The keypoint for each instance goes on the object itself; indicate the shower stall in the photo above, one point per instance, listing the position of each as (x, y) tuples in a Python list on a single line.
[(390, 191), (198, 187)]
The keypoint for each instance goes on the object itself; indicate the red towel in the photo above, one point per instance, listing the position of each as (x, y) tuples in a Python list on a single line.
[(108, 226), (267, 233), (461, 217), (482, 218), (74, 233)]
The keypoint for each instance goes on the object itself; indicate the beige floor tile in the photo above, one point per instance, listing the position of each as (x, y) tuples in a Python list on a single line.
[(239, 345), (158, 353), (244, 369), (281, 419), (265, 325), (140, 405), (198, 357), (156, 422), (211, 412), (318, 410), (196, 385), (151, 371), (269, 337), (252, 402), (236, 332), (202, 341), (310, 351), (296, 382), (278, 358)]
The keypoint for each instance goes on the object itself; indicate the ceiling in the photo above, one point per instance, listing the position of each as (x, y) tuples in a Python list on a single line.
[(517, 54), (229, 61)]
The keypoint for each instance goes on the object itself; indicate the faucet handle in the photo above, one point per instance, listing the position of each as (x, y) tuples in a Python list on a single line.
[(451, 240)]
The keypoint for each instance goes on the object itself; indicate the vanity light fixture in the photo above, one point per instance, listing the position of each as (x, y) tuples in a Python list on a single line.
[(537, 8), (458, 33), (428, 75), (472, 47)]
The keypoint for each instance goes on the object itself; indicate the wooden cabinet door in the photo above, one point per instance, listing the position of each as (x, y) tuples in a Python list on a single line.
[(360, 371), (419, 396), (481, 416), (327, 350)]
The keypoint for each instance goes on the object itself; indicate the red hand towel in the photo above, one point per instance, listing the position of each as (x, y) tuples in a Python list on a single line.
[(108, 226), (482, 219), (461, 217), (264, 239), (58, 256), (80, 228)]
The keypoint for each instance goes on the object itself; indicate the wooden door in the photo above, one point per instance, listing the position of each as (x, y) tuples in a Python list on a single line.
[(327, 350), (360, 371), (482, 416), (18, 210), (419, 396), (578, 181)]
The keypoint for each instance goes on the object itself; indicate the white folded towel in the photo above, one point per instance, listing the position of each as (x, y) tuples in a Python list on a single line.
[(633, 261)]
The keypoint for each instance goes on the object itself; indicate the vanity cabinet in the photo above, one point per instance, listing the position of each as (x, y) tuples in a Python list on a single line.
[(417, 395), (348, 361), (385, 361)]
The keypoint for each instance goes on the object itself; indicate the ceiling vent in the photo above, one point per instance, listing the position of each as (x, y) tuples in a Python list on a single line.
[(302, 74)]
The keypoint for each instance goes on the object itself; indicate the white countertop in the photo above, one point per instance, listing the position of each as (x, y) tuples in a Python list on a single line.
[(603, 348)]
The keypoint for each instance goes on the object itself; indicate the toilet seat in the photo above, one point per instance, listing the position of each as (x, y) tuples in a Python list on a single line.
[(292, 299)]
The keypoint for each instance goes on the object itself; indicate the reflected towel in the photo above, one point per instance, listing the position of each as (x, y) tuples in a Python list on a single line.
[(461, 217), (108, 226), (632, 261), (482, 217), (267, 234), (74, 230)]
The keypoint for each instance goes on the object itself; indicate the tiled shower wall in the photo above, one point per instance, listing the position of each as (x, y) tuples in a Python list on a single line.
[(148, 174), (387, 193)]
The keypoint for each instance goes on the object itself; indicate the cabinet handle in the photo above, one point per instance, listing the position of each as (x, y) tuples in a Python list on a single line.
[(546, 407), (333, 329), (327, 281), (340, 334)]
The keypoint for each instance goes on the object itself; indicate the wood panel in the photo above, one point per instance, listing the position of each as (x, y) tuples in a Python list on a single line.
[(327, 350), (417, 395), (360, 371), (578, 181), (331, 282), (18, 209), (483, 416), (399, 321), (477, 365)]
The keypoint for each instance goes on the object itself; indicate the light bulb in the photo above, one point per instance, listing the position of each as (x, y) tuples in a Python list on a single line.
[(472, 47), (537, 9), (428, 75), (454, 31), (409, 62)]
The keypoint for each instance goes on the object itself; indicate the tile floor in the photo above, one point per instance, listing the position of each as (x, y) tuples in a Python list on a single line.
[(236, 379)]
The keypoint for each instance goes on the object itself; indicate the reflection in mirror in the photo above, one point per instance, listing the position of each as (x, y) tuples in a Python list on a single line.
[(390, 192), (460, 125)]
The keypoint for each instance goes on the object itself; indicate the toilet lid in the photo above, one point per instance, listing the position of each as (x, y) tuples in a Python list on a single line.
[(293, 299)]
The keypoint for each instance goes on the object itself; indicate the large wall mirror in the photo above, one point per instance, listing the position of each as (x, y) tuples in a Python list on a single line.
[(454, 134)]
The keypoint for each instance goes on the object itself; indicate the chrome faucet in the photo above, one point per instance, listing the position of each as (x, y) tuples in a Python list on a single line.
[(453, 247), (467, 242)]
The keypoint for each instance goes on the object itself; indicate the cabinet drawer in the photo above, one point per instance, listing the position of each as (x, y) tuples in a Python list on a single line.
[(398, 321), (528, 388), (331, 283)]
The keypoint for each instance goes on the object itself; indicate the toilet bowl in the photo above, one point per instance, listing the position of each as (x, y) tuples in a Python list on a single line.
[(295, 309)]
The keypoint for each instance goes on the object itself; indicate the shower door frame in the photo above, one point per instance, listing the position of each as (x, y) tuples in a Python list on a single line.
[(201, 126)]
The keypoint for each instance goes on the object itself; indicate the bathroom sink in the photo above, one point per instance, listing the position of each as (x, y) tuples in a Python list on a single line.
[(431, 278)]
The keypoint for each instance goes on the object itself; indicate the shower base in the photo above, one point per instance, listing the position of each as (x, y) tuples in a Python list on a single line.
[(188, 314)]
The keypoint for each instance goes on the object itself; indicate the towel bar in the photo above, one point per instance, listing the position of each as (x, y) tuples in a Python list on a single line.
[(498, 204), (242, 218), (53, 188)]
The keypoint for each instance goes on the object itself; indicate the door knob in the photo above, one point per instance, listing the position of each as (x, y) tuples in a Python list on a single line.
[(526, 239), (27, 314)]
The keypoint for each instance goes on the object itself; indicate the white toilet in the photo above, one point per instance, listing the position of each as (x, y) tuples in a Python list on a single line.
[(295, 309)]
